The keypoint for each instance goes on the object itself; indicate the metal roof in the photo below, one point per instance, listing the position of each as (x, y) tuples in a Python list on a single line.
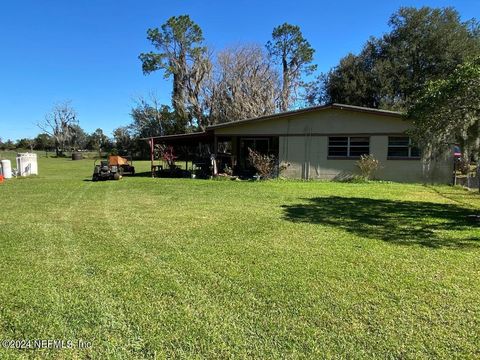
[(308, 110), (209, 132)]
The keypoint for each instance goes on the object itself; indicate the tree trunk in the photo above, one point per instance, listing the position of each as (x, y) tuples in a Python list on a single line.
[(285, 87), (478, 173), (477, 146), (177, 98), (179, 85)]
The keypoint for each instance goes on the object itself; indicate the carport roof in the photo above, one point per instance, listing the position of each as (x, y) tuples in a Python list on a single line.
[(200, 135)]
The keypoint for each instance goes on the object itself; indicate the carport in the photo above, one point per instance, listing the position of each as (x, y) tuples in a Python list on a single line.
[(192, 146)]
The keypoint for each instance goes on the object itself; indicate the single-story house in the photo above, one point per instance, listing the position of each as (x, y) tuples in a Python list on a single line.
[(322, 142)]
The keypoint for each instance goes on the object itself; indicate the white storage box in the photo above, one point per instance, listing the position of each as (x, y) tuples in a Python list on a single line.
[(27, 164), (6, 169)]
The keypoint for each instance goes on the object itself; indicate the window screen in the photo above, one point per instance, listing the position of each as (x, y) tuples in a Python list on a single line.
[(401, 147), (345, 146)]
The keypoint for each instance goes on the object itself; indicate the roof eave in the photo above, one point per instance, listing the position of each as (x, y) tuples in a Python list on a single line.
[(199, 134), (307, 110)]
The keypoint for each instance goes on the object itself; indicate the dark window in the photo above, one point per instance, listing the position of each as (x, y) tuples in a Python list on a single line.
[(344, 146), (414, 152), (265, 146), (402, 147), (338, 146), (359, 146)]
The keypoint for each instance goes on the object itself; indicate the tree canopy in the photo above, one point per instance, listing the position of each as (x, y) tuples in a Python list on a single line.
[(60, 123), (150, 118), (295, 54), (235, 83), (447, 111), (423, 44), (183, 56), (245, 85)]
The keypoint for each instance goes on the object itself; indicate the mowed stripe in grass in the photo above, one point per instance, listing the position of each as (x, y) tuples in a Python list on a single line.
[(189, 268)]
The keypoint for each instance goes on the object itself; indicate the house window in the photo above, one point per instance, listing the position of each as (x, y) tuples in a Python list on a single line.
[(401, 147), (348, 146)]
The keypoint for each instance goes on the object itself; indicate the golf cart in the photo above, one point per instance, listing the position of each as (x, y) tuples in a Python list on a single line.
[(104, 171)]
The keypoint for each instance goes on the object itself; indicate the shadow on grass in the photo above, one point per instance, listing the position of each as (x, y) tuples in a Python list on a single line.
[(399, 222), (142, 174), (164, 175)]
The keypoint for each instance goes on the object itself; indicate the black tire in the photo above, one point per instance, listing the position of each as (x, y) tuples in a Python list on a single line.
[(94, 178)]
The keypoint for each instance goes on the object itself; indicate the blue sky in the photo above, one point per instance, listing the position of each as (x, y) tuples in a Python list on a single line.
[(87, 51)]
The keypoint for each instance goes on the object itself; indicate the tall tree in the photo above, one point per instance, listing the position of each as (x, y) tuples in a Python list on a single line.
[(447, 111), (183, 56), (98, 141), (44, 142), (25, 143), (151, 118), (423, 44), (123, 140), (289, 48), (59, 124), (7, 145), (78, 138), (245, 85), (352, 84)]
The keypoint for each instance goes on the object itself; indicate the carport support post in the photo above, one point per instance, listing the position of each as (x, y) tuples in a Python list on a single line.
[(151, 157), (215, 150)]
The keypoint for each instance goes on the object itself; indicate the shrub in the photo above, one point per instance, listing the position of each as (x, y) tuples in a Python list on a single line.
[(266, 165), (463, 165), (166, 154), (368, 166), (228, 170)]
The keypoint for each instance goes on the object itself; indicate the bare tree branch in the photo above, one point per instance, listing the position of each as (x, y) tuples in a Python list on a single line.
[(59, 123)]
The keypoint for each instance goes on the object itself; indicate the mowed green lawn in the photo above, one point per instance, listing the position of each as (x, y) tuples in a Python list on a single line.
[(146, 268)]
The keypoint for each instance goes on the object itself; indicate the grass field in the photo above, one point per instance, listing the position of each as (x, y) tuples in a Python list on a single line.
[(146, 268)]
